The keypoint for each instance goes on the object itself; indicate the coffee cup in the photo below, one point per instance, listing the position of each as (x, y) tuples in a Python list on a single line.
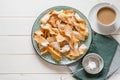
[(106, 19)]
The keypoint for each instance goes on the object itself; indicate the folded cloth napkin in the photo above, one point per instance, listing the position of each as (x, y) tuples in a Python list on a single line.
[(105, 47)]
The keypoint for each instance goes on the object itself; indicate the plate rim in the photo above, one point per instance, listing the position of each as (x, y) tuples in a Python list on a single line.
[(32, 35)]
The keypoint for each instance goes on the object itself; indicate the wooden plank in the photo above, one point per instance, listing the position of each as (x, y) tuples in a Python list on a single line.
[(34, 76), (117, 38), (22, 44), (35, 7), (14, 22), (23, 64), (16, 45), (16, 26), (20, 26), (44, 76), (117, 32)]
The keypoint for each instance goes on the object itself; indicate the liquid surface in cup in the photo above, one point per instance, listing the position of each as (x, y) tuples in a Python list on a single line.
[(106, 15)]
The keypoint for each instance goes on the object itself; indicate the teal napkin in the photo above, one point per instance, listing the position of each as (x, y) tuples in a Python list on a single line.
[(105, 47)]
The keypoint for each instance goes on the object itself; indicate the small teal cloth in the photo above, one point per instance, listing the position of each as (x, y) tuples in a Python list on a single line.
[(105, 47)]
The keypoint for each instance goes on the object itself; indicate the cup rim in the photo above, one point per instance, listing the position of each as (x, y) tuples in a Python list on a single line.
[(111, 7)]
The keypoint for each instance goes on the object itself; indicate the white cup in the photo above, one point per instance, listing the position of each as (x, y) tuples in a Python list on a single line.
[(107, 28)]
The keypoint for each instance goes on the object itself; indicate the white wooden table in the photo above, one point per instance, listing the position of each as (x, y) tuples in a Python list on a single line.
[(18, 60)]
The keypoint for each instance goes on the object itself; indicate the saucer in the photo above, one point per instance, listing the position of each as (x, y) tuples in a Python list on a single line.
[(93, 20)]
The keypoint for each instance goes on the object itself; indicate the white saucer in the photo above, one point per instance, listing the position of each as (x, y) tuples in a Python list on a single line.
[(93, 20)]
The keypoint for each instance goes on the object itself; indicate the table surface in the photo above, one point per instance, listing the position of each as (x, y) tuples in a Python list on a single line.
[(18, 60)]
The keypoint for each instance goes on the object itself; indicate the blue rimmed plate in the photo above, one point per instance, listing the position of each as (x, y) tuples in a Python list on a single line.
[(47, 57)]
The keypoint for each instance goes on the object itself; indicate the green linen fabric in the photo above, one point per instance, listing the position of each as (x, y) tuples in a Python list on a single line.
[(105, 47)]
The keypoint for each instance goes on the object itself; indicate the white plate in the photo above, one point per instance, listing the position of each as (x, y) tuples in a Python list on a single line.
[(93, 20)]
